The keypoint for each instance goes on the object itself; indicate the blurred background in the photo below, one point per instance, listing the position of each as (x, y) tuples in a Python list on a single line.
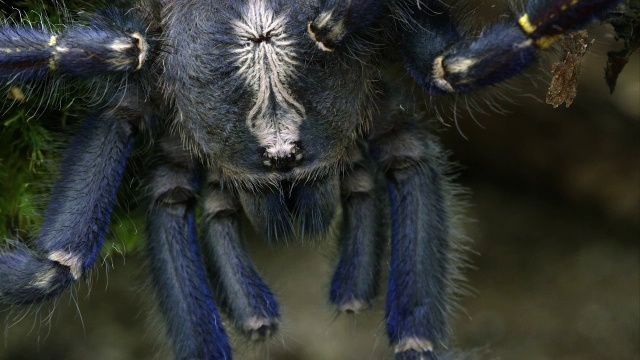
[(555, 208)]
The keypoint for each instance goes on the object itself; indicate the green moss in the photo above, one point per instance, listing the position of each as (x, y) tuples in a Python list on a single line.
[(21, 158)]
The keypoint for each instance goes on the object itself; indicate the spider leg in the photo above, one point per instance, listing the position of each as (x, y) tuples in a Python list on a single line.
[(178, 271), (116, 41), (248, 300), (418, 298), (443, 61), (78, 215), (354, 283)]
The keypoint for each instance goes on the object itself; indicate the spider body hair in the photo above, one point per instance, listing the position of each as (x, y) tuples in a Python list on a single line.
[(283, 112)]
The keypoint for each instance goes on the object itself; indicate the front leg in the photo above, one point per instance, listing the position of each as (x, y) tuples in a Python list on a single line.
[(78, 215), (418, 295), (177, 267), (355, 281), (115, 42), (444, 60), (247, 299)]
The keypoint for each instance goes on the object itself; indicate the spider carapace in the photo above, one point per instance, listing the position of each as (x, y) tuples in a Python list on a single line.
[(283, 112)]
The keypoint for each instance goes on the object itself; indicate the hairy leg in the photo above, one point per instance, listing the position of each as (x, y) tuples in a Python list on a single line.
[(418, 295), (443, 60), (355, 281), (116, 41), (178, 271), (78, 215), (248, 300)]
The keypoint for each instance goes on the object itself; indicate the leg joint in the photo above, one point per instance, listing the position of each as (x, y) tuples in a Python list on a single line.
[(220, 203), (172, 187), (358, 182)]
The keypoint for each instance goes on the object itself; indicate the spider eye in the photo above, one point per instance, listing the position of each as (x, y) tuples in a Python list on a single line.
[(333, 25)]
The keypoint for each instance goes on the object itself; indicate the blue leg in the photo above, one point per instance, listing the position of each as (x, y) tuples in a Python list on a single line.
[(416, 300), (443, 61), (116, 41), (78, 215), (247, 299), (418, 295), (178, 271), (355, 281)]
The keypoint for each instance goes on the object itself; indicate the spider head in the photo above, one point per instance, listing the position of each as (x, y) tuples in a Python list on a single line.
[(257, 93)]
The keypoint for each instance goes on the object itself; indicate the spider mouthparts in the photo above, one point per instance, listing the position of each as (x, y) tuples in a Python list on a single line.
[(282, 161)]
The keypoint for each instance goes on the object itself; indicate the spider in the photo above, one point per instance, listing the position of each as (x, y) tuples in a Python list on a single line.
[(283, 112)]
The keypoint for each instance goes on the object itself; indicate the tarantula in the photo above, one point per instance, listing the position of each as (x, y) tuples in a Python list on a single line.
[(282, 112)]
